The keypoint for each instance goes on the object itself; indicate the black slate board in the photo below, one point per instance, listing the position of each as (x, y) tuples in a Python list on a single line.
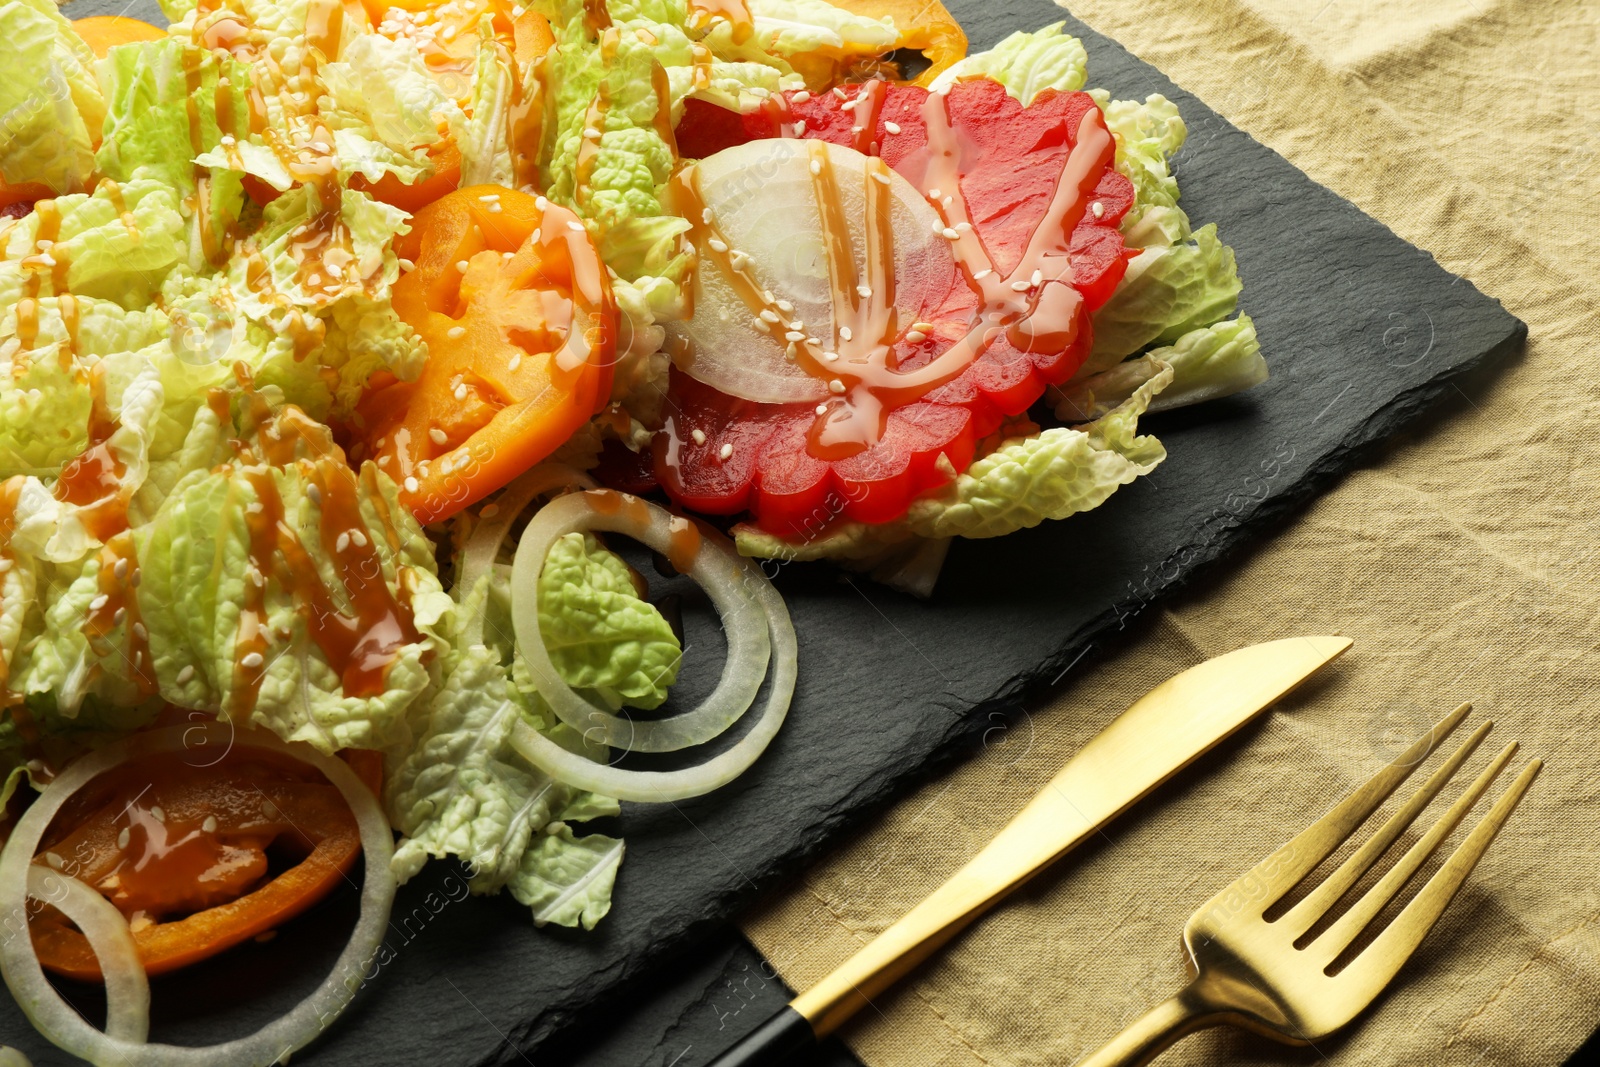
[(1363, 332)]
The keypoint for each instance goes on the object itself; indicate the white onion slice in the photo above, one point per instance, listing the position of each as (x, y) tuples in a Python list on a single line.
[(762, 198), (720, 573), (482, 548), (127, 986), (58, 1021), (728, 578)]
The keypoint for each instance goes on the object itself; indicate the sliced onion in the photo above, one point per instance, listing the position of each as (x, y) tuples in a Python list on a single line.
[(762, 198), (722, 575), (127, 986), (58, 1021), (749, 605), (479, 553)]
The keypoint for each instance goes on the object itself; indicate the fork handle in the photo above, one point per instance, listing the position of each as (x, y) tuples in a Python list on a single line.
[(1151, 1033)]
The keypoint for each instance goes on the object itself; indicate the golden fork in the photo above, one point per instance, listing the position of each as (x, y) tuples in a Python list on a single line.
[(1295, 977)]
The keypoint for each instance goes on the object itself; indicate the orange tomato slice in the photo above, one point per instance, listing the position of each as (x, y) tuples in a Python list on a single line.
[(104, 32)]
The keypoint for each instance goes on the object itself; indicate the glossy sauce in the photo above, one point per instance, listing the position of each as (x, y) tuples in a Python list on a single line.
[(45, 259), (735, 12), (117, 607), (683, 543), (589, 147), (93, 480)]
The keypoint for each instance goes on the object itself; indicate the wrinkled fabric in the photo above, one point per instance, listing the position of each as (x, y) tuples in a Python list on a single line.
[(1462, 562)]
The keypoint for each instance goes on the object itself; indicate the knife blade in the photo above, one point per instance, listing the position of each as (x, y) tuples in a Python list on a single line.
[(1160, 734)]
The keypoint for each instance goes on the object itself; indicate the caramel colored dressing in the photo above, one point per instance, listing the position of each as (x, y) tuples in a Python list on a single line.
[(736, 13), (226, 35), (10, 702), (663, 116), (683, 543), (1033, 305), (325, 27), (361, 636), (113, 193), (596, 15), (869, 105), (526, 120), (701, 56), (589, 147), (44, 259), (93, 480), (610, 502), (117, 606)]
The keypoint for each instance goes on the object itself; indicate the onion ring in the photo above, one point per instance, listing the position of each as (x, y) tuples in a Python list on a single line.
[(127, 986), (478, 554), (735, 584), (56, 1019)]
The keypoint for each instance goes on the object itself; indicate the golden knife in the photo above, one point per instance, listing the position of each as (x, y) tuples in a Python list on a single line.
[(1163, 732)]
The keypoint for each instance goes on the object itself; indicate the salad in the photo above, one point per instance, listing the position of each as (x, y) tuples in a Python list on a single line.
[(335, 335)]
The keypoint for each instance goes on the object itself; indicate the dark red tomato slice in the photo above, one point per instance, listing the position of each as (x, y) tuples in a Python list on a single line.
[(724, 455)]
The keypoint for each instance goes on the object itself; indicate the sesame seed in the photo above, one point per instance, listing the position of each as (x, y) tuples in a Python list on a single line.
[(460, 391), (800, 128), (786, 307), (358, 538), (707, 217), (507, 256), (514, 362), (210, 825), (698, 435), (54, 860), (916, 337), (1020, 286), (801, 97), (489, 511), (99, 602), (892, 127), (124, 838), (838, 90), (437, 436), (844, 331), (343, 543), (406, 264), (982, 274), (963, 226), (542, 204), (768, 315), (812, 341), (718, 245), (857, 129), (725, 451), (120, 569), (865, 291), (252, 661), (314, 494), (925, 327), (411, 483), (461, 265), (836, 387), (576, 227), (951, 234), (794, 335), (494, 209), (830, 356), (160, 816), (591, 134), (1038, 277), (938, 226), (933, 194), (456, 332), (797, 324), (849, 105), (1098, 209), (881, 178), (816, 167), (186, 675)]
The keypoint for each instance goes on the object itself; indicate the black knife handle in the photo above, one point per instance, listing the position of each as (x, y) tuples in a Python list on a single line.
[(771, 1043)]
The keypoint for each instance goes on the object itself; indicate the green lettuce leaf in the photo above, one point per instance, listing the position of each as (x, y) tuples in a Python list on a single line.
[(195, 560), (1168, 291), (50, 103), (1211, 362), (485, 149), (601, 636), (119, 243), (1027, 64), (1049, 475)]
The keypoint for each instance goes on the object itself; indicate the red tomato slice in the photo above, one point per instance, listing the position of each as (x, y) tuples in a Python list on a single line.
[(723, 455)]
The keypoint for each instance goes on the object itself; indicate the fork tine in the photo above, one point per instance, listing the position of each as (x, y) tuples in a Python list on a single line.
[(1284, 869), (1305, 914), (1376, 964), (1338, 937)]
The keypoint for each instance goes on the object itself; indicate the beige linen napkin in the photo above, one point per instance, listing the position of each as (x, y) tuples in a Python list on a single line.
[(1463, 563)]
